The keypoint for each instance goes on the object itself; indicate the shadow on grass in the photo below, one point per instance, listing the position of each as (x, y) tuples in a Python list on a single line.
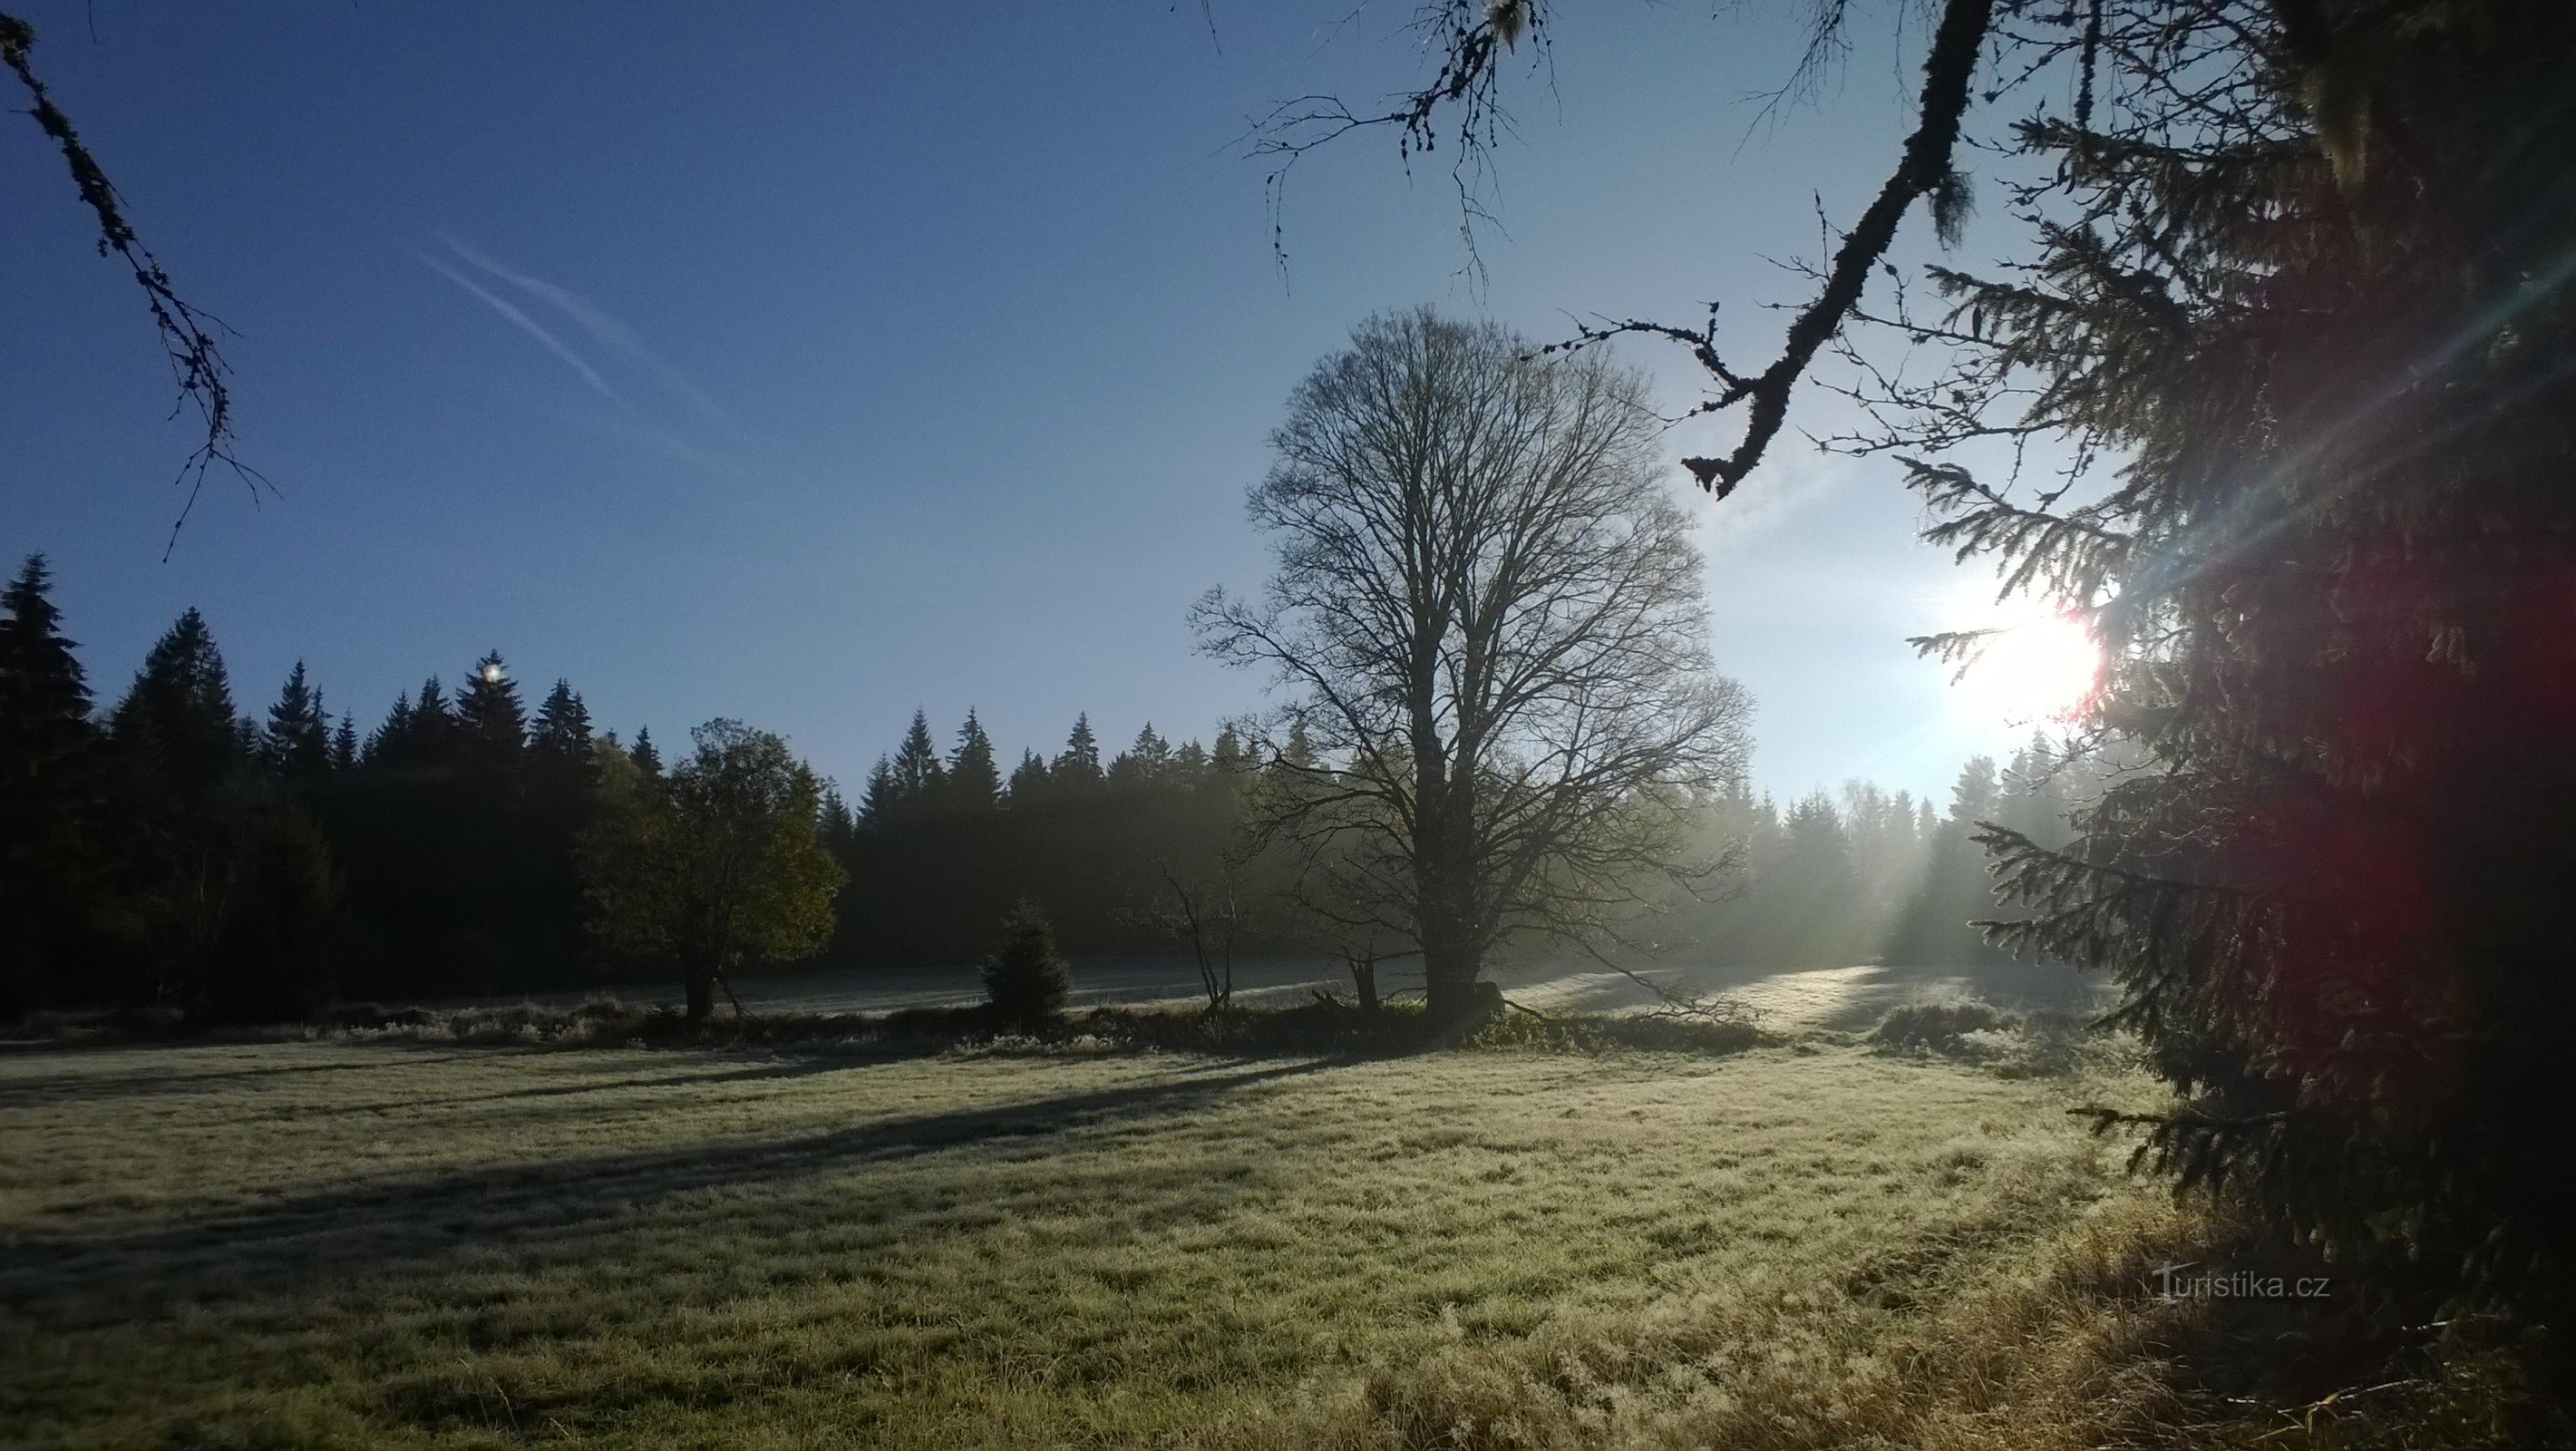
[(143, 1082), (384, 1227)]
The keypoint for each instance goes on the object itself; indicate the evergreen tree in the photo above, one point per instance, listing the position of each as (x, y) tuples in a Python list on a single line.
[(882, 800), (917, 771), (179, 750), (562, 738), (44, 696), (2296, 306), (48, 796), (974, 782), (491, 725), (840, 829), (648, 762), (295, 745), (1026, 980), (431, 737), (1299, 752), (1145, 763), (1079, 763), (1028, 780), (386, 744), (344, 744), (559, 807), (176, 723)]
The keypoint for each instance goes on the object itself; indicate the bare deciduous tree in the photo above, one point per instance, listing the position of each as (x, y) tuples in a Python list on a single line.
[(1487, 619), (1206, 916)]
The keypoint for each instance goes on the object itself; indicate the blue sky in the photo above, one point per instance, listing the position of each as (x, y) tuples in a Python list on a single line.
[(810, 363)]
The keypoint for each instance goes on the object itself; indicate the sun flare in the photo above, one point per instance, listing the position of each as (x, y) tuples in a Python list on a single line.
[(2038, 665)]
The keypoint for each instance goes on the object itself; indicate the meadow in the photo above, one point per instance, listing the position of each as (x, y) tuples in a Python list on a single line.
[(414, 1244)]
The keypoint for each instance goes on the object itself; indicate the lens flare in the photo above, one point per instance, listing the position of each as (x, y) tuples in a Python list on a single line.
[(2040, 666)]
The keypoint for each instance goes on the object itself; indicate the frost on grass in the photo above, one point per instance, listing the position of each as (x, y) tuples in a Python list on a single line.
[(436, 1243)]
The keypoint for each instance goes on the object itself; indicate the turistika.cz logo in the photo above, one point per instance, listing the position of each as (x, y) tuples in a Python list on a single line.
[(2172, 1283)]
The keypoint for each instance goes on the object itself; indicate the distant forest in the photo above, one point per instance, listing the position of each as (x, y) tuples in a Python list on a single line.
[(171, 852)]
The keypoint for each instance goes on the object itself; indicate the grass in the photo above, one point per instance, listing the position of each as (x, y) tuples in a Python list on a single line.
[(424, 1244)]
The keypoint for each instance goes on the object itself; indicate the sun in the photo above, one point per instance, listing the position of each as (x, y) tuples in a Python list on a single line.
[(2039, 664)]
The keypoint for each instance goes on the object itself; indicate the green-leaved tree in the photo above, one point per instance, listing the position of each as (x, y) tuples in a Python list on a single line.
[(720, 867)]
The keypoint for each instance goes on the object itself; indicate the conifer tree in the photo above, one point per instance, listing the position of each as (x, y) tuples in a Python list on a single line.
[(2296, 307), (839, 827), (882, 800), (560, 804), (1026, 980), (431, 738), (491, 725), (1078, 765), (1145, 763), (49, 782), (1028, 779), (648, 761), (344, 744), (1229, 755), (918, 773), (387, 743), (974, 781), (176, 723), (562, 738), (295, 744)]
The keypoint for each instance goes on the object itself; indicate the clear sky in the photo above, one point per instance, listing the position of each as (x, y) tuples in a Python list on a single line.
[(810, 363)]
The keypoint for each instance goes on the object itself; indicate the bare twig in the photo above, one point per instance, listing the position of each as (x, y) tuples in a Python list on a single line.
[(188, 333)]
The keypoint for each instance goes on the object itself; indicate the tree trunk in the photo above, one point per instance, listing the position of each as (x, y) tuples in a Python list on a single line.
[(1445, 876), (1364, 977), (1449, 968), (701, 981)]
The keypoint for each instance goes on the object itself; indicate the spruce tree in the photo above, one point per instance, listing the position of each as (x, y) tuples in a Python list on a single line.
[(49, 784), (2300, 319), (918, 773), (560, 805), (1026, 980), (295, 744), (491, 724), (388, 742), (648, 761), (974, 780), (1079, 763), (839, 827), (431, 739), (176, 724), (1144, 763), (1028, 779), (562, 735), (344, 744), (882, 800)]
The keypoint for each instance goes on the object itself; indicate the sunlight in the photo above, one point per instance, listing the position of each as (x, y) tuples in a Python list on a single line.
[(2039, 665)]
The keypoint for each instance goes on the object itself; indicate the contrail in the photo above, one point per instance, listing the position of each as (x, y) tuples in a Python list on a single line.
[(531, 327), (602, 327)]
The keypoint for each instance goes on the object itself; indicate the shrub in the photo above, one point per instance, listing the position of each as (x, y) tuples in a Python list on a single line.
[(1026, 981), (1952, 1030)]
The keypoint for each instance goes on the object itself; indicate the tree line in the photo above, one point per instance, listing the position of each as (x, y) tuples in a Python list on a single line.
[(169, 851)]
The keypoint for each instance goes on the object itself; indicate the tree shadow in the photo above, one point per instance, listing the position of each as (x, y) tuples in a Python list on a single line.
[(790, 1068), (411, 1224), (98, 1087)]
